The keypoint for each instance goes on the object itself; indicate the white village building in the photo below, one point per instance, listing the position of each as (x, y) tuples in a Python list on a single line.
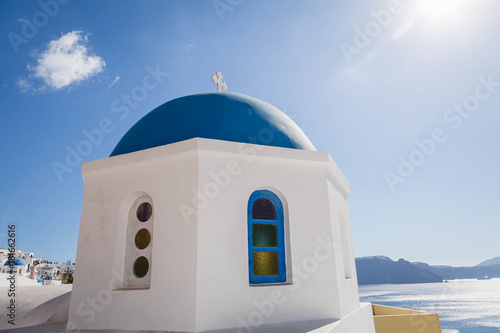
[(216, 212), (22, 260), (4, 255), (67, 267), (55, 270), (46, 270)]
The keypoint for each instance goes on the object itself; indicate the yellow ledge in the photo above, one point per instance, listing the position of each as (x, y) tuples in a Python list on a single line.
[(389, 319)]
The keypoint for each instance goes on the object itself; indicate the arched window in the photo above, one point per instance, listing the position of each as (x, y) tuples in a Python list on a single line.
[(266, 238), (138, 251)]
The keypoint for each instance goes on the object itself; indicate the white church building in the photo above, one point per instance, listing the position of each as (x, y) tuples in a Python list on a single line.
[(216, 213)]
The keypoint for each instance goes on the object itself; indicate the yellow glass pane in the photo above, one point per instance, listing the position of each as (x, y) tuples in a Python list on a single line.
[(142, 239), (265, 263)]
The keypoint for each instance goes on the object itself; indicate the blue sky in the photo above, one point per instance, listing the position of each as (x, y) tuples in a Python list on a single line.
[(365, 80)]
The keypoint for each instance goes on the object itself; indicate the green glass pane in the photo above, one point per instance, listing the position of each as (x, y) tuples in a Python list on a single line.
[(141, 267), (265, 235), (265, 263)]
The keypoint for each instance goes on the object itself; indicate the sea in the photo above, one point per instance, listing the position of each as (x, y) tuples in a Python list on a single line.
[(464, 306)]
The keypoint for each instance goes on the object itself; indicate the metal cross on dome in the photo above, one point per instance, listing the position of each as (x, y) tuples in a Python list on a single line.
[(217, 79)]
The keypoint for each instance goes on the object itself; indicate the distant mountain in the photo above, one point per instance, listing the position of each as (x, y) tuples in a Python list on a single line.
[(450, 273), (490, 262), (383, 270)]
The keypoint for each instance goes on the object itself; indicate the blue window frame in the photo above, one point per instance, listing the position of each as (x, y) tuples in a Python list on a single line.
[(266, 238)]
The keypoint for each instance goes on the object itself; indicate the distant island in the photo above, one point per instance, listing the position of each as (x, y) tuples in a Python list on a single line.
[(384, 270), (490, 262)]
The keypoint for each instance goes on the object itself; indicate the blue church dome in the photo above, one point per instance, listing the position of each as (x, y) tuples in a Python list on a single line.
[(221, 116), (15, 262)]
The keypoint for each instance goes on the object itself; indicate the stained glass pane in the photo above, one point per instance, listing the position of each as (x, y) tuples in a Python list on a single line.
[(141, 267), (263, 209), (142, 239), (265, 263), (144, 212), (265, 235)]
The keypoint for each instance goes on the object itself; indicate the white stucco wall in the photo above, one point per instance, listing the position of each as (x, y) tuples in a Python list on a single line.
[(199, 273), (167, 175), (300, 178)]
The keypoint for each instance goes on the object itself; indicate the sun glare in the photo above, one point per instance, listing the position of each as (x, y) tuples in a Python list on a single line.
[(441, 9)]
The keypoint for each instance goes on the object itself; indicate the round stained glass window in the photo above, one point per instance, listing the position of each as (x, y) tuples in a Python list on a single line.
[(141, 267), (142, 239), (144, 212)]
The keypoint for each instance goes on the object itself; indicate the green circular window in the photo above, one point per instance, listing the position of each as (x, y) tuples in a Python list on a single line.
[(141, 267), (144, 212), (142, 239)]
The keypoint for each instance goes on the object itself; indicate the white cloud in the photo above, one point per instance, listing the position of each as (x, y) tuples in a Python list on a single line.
[(24, 84), (66, 61), (114, 81)]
